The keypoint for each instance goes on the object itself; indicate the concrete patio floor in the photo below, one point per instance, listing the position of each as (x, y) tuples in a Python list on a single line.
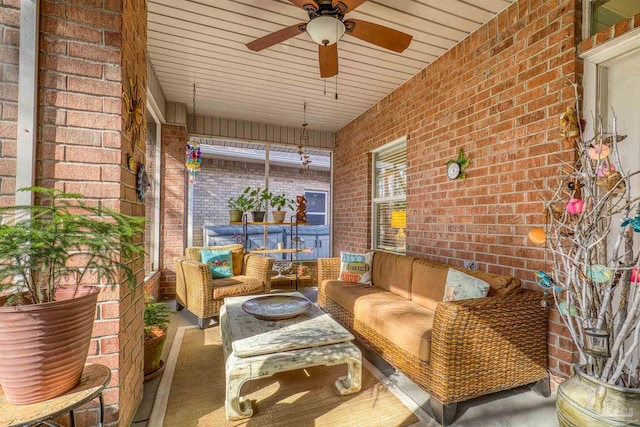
[(518, 407)]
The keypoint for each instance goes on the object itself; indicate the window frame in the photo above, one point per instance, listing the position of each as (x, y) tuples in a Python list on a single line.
[(395, 145)]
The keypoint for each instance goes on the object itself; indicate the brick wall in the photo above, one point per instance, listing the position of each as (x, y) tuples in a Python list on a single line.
[(219, 180), (87, 51), (9, 41), (173, 198), (498, 95)]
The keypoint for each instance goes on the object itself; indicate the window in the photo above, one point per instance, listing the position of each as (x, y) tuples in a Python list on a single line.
[(152, 198), (390, 197), (607, 13), (316, 207)]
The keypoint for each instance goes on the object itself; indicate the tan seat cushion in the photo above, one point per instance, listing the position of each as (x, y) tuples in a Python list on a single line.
[(429, 280), (237, 255), (392, 273), (406, 324), (345, 294), (236, 285), (402, 322)]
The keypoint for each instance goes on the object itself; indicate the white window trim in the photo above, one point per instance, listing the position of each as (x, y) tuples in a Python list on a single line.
[(374, 200)]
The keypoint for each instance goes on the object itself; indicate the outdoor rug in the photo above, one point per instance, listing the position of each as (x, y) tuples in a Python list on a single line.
[(192, 392)]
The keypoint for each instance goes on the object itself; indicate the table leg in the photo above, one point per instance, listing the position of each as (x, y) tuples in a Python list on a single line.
[(101, 411), (236, 375), (352, 382), (72, 418)]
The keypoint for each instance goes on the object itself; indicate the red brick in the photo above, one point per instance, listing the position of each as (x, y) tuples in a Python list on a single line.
[(94, 120), (71, 30), (72, 66)]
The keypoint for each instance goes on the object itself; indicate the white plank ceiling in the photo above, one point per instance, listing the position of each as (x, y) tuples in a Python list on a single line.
[(203, 42)]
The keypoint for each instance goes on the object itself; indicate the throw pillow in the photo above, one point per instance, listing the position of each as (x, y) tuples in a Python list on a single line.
[(462, 286), (220, 263), (356, 268)]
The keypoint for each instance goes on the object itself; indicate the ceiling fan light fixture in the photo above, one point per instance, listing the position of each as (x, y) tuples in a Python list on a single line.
[(325, 30)]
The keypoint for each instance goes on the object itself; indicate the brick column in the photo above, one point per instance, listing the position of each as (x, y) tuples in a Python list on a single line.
[(89, 51), (9, 53), (173, 198)]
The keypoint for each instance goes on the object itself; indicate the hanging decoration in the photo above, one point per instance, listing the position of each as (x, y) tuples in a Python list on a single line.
[(193, 155), (304, 139), (133, 109), (193, 161)]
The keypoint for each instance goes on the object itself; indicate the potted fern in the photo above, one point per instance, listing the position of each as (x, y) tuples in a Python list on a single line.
[(156, 321), (49, 253), (278, 202)]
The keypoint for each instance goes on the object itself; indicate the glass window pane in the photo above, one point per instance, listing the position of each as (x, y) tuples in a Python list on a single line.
[(151, 246), (316, 219), (316, 201), (391, 172), (390, 223), (607, 13)]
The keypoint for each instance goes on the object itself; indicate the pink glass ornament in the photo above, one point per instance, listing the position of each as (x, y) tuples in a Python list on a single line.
[(606, 169), (599, 152), (635, 275), (575, 206)]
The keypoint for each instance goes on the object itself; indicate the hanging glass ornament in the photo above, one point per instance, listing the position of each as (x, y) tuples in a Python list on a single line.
[(193, 161)]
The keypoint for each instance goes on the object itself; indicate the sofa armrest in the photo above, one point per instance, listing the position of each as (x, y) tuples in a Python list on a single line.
[(328, 268), (194, 283), (259, 267), (498, 340)]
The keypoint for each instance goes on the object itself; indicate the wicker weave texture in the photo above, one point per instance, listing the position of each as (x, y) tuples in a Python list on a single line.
[(478, 346), (194, 284)]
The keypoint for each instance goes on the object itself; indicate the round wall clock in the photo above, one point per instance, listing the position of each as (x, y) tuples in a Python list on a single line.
[(142, 183), (453, 170)]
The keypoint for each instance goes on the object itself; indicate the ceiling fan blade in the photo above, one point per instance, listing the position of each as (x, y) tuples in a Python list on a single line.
[(379, 35), (305, 4), (347, 5), (328, 59), (277, 37)]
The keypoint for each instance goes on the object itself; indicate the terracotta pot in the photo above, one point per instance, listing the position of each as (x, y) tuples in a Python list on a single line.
[(278, 216), (585, 401), (43, 347), (152, 352)]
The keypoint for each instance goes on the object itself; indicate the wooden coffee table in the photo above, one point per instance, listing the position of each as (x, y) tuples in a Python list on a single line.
[(258, 348)]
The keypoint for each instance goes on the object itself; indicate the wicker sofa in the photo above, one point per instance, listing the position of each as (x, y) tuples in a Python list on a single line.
[(455, 350), (202, 295)]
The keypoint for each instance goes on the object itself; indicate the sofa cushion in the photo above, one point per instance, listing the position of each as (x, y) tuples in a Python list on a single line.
[(461, 286), (429, 279), (237, 254), (236, 285), (404, 323), (392, 273), (345, 294), (355, 268)]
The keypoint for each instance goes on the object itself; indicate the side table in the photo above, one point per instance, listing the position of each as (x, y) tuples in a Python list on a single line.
[(93, 380)]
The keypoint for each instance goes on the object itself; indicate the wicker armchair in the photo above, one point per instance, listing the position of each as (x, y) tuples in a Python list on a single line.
[(202, 295)]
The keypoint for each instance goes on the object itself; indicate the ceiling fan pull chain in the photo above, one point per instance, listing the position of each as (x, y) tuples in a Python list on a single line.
[(325, 86), (336, 86)]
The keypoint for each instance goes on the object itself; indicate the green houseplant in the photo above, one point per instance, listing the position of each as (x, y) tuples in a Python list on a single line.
[(592, 217), (259, 201), (238, 206), (278, 202), (49, 252), (156, 321)]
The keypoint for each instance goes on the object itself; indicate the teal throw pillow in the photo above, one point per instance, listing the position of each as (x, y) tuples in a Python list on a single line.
[(220, 263)]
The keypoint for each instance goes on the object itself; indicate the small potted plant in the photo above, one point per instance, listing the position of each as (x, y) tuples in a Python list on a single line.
[(48, 253), (259, 202), (156, 321), (278, 202), (238, 206)]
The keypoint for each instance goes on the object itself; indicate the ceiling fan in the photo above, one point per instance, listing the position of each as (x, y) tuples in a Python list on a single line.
[(327, 25)]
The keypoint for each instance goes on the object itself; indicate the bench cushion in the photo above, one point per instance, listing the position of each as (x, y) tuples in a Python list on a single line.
[(236, 285), (404, 323), (392, 273), (429, 280)]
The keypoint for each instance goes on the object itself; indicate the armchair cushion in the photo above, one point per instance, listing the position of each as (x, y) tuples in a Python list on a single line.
[(219, 262), (236, 286), (237, 254)]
